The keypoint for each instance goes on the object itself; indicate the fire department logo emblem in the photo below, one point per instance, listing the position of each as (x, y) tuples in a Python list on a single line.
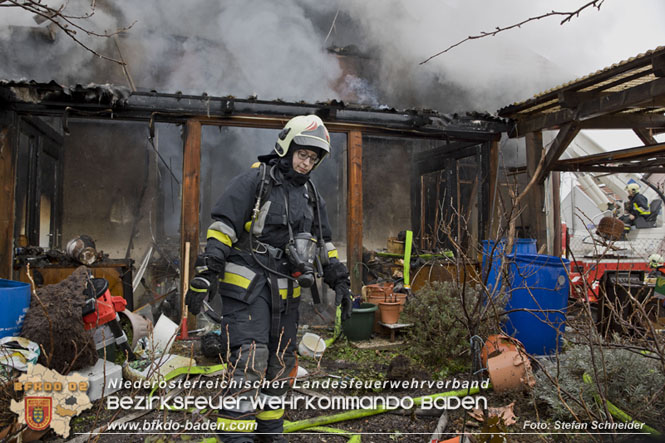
[(38, 412)]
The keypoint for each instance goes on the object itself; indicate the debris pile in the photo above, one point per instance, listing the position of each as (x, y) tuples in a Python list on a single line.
[(54, 322)]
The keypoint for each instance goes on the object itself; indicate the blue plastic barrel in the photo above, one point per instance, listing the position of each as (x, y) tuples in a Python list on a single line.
[(525, 246), (539, 286), (15, 301), (490, 268)]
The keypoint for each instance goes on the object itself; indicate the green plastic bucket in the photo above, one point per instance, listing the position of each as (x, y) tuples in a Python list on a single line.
[(359, 326)]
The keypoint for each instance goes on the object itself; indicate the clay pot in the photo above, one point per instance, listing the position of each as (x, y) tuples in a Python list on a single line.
[(496, 344), (389, 312), (399, 298), (510, 370), (376, 294), (376, 290)]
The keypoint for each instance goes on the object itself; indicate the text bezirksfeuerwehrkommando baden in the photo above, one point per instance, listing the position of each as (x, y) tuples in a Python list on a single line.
[(228, 394), (326, 383)]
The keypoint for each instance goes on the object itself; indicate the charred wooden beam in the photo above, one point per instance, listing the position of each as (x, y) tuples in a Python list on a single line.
[(658, 63), (566, 135), (638, 95), (7, 185), (493, 189), (435, 159), (572, 99), (646, 137), (107, 102), (623, 155), (654, 169), (536, 196), (556, 214), (625, 121)]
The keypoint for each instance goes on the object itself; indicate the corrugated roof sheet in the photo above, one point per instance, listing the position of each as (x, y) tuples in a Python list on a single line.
[(617, 77)]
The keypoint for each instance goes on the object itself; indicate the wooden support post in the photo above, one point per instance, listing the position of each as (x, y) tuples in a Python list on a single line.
[(354, 220), (536, 197), (493, 195), (7, 185), (191, 180), (556, 213), (423, 205)]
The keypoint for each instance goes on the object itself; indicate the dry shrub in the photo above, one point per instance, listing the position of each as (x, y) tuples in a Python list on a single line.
[(631, 380), (445, 318)]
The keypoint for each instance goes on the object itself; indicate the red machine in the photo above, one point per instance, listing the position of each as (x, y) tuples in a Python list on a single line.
[(101, 308), (588, 272)]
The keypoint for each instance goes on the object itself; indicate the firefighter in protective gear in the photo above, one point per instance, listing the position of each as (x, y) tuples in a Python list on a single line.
[(656, 265), (657, 270), (254, 222), (637, 206), (656, 261)]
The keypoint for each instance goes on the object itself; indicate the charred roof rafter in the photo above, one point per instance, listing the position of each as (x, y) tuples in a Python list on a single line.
[(117, 103)]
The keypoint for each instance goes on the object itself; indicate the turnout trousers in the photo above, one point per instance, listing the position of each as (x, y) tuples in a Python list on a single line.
[(258, 364)]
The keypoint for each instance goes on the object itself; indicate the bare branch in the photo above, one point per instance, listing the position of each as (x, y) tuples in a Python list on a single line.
[(568, 16), (67, 23)]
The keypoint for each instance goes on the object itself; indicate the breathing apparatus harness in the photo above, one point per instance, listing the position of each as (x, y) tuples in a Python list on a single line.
[(303, 250)]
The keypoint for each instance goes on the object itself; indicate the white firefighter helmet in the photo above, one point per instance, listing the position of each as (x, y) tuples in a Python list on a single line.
[(656, 261), (633, 188), (307, 131)]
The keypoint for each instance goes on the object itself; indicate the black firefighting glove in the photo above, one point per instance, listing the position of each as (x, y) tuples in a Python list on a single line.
[(344, 299), (204, 284)]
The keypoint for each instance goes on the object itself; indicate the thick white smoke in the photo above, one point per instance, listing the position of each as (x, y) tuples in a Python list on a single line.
[(278, 49), (492, 72)]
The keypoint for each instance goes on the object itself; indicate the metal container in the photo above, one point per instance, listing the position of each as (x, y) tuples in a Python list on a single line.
[(82, 249)]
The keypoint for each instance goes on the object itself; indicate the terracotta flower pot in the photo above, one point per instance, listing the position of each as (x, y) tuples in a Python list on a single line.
[(496, 344), (510, 371), (376, 290), (375, 294), (399, 298), (389, 312)]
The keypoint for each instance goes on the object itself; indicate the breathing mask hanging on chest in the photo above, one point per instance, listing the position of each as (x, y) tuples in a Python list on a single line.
[(302, 251)]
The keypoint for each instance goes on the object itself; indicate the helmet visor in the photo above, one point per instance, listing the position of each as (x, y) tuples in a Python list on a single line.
[(306, 140)]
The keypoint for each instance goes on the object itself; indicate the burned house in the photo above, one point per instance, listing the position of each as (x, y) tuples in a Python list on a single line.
[(138, 172)]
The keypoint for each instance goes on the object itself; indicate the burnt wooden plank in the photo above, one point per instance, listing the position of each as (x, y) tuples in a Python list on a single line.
[(646, 137), (556, 214), (493, 188), (625, 121), (7, 184), (536, 196), (566, 135), (354, 220), (656, 169), (623, 155), (658, 62)]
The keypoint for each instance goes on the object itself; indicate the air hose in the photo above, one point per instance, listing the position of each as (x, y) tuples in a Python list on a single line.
[(618, 413)]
